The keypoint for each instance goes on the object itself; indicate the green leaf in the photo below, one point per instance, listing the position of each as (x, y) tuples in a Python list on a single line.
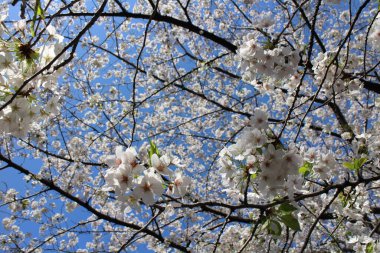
[(355, 164), (360, 162), (266, 223), (369, 248), (348, 234), (152, 150), (290, 221), (286, 208), (38, 11), (32, 32), (274, 227), (348, 165), (305, 169), (150, 153), (253, 176), (344, 199)]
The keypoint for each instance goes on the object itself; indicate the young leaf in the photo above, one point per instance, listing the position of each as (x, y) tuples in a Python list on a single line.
[(152, 150), (265, 224), (369, 248), (291, 222), (274, 227), (348, 165), (253, 176), (360, 162), (286, 208), (344, 199), (355, 164), (305, 169), (38, 11)]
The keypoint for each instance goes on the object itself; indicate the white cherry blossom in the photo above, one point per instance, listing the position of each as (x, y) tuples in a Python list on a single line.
[(148, 186)]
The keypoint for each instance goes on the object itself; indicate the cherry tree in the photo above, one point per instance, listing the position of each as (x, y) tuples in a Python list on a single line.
[(190, 126)]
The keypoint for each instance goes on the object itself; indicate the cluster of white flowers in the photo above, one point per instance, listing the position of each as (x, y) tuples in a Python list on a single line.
[(132, 180), (364, 243), (266, 20), (324, 164), (269, 61), (254, 155), (167, 8), (374, 36), (39, 97), (332, 79), (279, 170)]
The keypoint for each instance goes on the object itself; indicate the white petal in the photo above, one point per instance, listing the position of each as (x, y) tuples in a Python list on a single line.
[(165, 159), (131, 154), (156, 162), (138, 169), (119, 151), (110, 160), (147, 197), (156, 187)]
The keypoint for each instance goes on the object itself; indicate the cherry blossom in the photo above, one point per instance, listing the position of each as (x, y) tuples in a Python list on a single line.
[(148, 186), (189, 126), (160, 164), (180, 185)]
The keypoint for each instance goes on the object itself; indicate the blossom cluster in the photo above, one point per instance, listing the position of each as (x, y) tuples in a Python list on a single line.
[(255, 156), (131, 179), (324, 164), (33, 100), (332, 76), (374, 36), (274, 62)]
